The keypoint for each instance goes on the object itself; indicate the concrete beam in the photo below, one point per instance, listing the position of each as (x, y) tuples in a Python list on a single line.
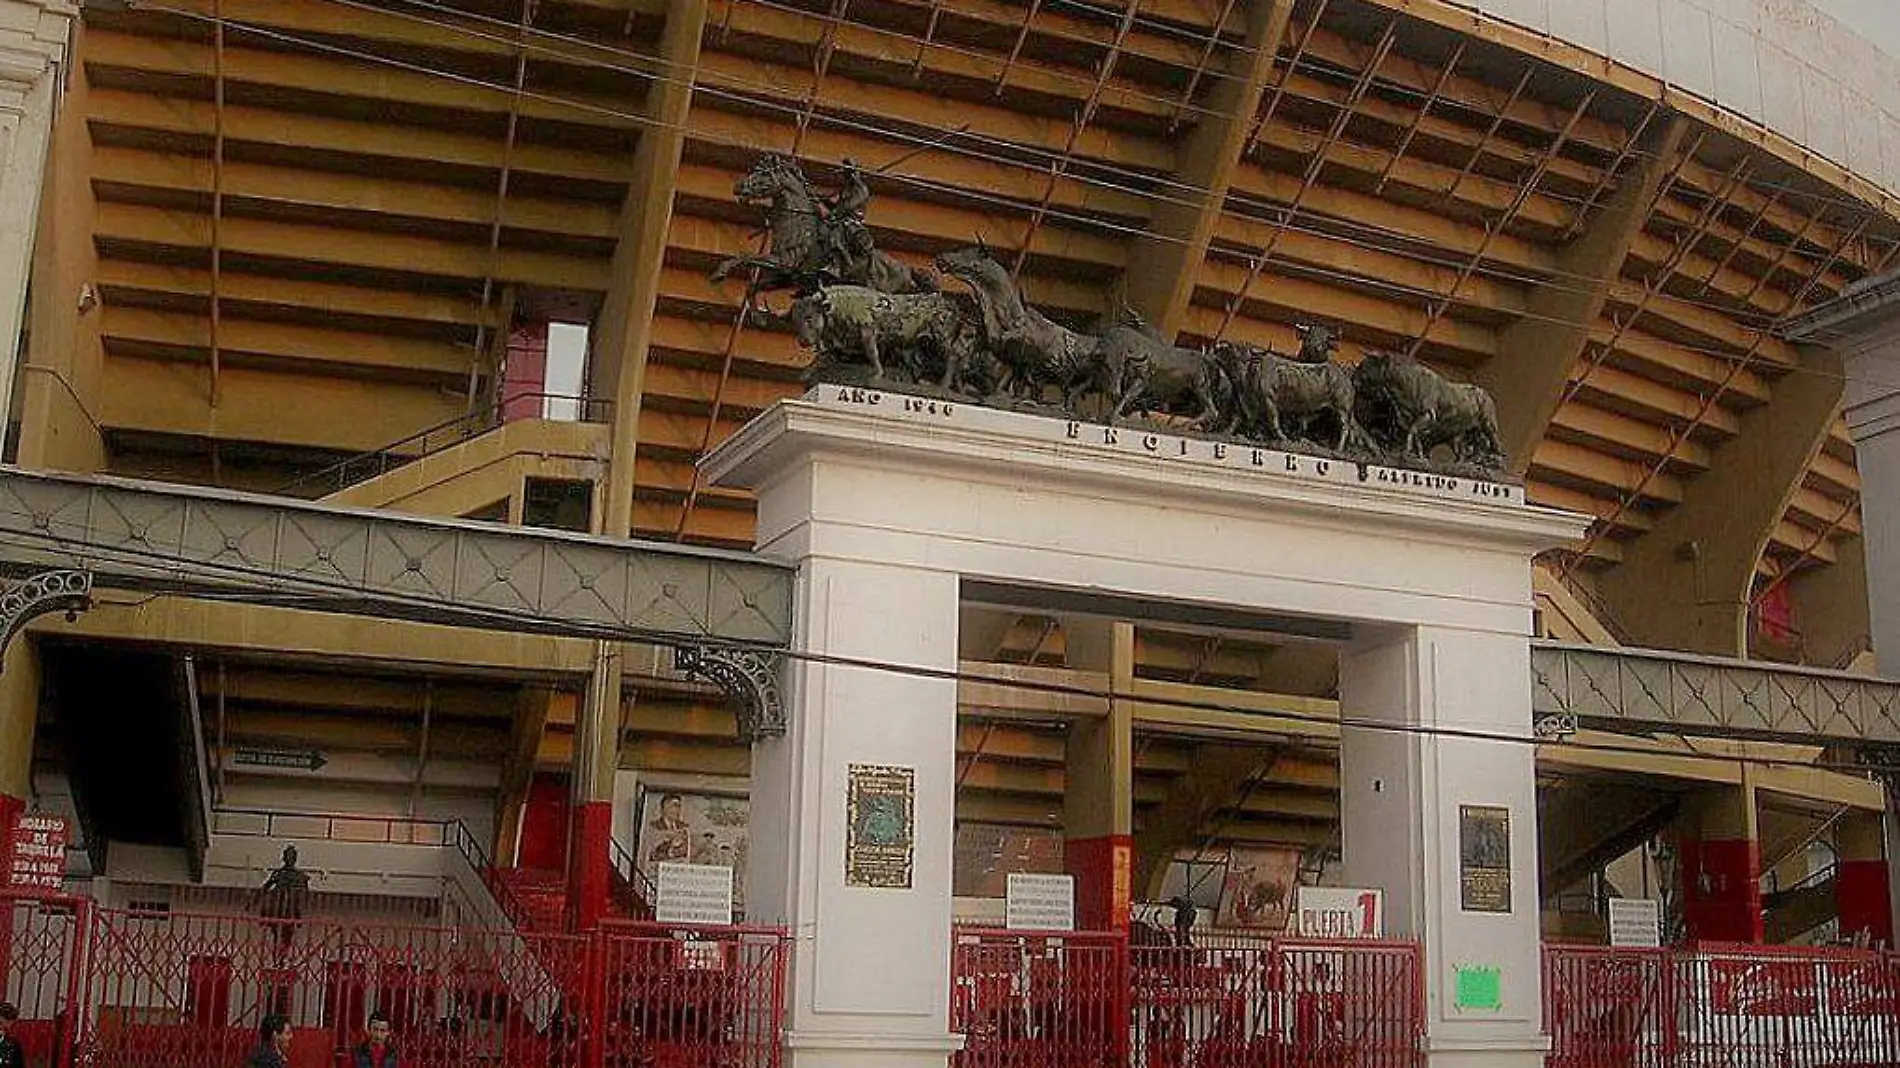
[(485, 468), (1686, 584), (1583, 825), (619, 356), (287, 634), (1537, 353), (1830, 606), (1167, 257)]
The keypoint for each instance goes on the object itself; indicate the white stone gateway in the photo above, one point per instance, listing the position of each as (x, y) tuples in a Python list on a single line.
[(889, 504)]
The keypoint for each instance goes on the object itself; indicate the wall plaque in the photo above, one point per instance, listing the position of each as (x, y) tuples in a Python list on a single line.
[(880, 826), (1484, 855)]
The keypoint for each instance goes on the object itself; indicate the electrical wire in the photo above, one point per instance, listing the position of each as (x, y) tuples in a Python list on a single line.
[(318, 594), (1074, 218)]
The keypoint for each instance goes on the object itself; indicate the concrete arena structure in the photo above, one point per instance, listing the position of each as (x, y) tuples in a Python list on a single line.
[(315, 246)]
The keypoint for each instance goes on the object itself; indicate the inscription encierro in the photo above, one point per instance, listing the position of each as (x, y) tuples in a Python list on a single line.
[(1148, 442)]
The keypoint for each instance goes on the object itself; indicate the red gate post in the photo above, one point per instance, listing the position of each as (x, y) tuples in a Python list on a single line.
[(1122, 1008), (593, 1008), (78, 1001), (596, 756)]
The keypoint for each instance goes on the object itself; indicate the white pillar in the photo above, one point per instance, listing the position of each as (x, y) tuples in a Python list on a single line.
[(870, 973), (32, 45), (1407, 795)]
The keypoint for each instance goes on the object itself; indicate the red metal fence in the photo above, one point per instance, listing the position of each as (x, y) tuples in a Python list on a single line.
[(39, 941), (1039, 1001), (118, 989), (1729, 1006), (1069, 1001), (691, 998)]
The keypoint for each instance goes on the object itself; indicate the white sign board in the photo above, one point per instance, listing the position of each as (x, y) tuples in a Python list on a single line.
[(39, 853), (1332, 912), (694, 894), (1040, 902), (1635, 922)]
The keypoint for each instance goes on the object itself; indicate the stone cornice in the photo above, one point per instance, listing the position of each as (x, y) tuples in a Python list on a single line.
[(1133, 460)]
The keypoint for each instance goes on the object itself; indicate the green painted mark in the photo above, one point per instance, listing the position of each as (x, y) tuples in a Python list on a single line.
[(1480, 987)]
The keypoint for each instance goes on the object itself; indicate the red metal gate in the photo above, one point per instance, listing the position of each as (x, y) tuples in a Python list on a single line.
[(1074, 1000), (676, 997), (41, 939), (1732, 1006), (1039, 1001), (168, 990), (130, 989)]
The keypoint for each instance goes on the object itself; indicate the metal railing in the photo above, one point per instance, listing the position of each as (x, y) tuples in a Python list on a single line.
[(128, 989), (450, 432), (634, 892), (1081, 1000), (378, 830), (1734, 1006)]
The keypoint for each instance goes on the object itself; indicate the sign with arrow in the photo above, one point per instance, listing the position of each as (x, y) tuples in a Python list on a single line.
[(292, 759)]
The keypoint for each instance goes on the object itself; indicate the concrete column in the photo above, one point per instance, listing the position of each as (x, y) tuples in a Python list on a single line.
[(1721, 867), (870, 972), (1862, 895), (1098, 798), (1862, 327), (1447, 826), (19, 714), (596, 758), (32, 41)]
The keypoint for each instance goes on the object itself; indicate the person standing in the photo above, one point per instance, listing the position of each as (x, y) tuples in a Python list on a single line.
[(273, 1043), (11, 1055), (377, 1049)]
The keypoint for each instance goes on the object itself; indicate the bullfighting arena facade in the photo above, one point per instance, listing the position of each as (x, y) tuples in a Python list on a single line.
[(814, 532)]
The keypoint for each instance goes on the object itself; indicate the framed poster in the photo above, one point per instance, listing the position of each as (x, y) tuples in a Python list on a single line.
[(1258, 890), (1484, 858), (880, 826), (687, 828)]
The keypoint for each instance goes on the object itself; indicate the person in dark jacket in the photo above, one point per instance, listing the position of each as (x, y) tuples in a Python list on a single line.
[(273, 1043), (11, 1055), (376, 1050)]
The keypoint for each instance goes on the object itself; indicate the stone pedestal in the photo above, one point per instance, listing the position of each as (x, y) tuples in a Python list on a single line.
[(898, 509)]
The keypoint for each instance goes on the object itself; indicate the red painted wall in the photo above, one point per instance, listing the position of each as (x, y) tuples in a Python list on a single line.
[(1104, 872), (1722, 890), (1860, 896), (544, 825)]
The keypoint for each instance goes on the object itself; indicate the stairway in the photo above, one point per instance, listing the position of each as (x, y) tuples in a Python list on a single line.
[(477, 471), (540, 898), (1800, 908)]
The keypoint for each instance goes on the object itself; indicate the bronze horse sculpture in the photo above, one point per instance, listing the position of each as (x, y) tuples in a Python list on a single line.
[(814, 241)]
